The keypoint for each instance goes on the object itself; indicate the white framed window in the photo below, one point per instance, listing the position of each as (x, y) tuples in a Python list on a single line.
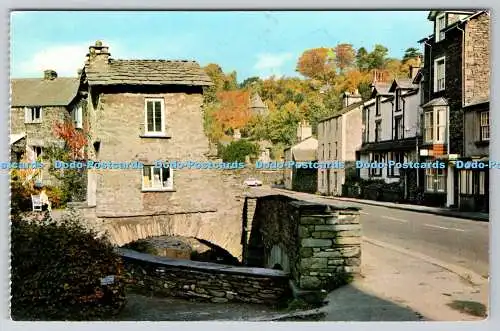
[(482, 182), (440, 25), (154, 116), (379, 158), (157, 179), (435, 180), (336, 151), (466, 182), (484, 126), (77, 117), (439, 74), (398, 127), (397, 157), (33, 115), (429, 126), (435, 122), (441, 125)]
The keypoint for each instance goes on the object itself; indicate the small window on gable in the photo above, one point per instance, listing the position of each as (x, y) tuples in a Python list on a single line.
[(440, 26), (154, 117)]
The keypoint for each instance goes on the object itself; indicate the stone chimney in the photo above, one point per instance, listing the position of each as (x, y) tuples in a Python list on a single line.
[(414, 69), (304, 131), (348, 98), (49, 74), (98, 55)]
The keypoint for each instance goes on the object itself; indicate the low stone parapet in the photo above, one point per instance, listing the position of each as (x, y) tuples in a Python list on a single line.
[(160, 276)]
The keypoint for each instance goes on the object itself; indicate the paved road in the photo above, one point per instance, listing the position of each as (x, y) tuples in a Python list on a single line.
[(452, 240), (456, 241)]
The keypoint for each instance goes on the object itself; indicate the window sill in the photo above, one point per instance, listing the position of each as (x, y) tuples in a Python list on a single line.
[(35, 122), (156, 135), (482, 143), (158, 190)]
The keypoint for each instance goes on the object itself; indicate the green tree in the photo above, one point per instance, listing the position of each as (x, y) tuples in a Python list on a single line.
[(362, 60), (377, 57), (411, 53), (238, 150)]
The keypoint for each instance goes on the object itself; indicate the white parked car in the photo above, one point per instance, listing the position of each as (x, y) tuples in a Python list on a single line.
[(252, 182)]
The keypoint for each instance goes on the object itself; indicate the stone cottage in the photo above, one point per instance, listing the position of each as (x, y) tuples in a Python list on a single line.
[(141, 112), (36, 105)]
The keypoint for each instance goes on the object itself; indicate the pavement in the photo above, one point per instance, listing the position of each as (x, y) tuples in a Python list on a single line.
[(484, 217), (395, 286)]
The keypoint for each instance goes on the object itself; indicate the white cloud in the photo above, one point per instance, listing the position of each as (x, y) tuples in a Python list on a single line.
[(64, 59), (269, 64)]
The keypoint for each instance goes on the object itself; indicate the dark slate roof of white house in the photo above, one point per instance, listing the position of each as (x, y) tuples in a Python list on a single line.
[(59, 91), (148, 72)]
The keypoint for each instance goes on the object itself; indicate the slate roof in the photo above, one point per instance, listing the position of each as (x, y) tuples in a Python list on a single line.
[(43, 92), (344, 110), (405, 83), (15, 137), (380, 88), (436, 102), (256, 102), (305, 150), (148, 72)]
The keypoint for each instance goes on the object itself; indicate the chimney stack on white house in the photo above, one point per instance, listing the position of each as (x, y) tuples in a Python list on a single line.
[(349, 99), (49, 74), (304, 131), (98, 55)]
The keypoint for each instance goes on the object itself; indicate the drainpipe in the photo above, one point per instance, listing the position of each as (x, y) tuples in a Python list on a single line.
[(463, 82), (429, 66)]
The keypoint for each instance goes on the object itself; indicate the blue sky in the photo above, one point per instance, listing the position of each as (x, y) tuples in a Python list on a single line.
[(252, 43)]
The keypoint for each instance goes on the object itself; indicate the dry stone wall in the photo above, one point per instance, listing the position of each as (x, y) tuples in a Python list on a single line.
[(322, 242), (203, 281)]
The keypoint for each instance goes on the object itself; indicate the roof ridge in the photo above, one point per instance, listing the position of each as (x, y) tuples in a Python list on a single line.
[(152, 60)]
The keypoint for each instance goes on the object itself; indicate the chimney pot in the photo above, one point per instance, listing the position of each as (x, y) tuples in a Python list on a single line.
[(98, 55), (49, 74)]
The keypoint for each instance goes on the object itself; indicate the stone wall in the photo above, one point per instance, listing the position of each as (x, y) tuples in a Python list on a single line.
[(160, 276), (39, 134), (321, 243), (477, 59)]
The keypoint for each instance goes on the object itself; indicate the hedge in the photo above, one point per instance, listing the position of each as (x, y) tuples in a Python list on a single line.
[(57, 272)]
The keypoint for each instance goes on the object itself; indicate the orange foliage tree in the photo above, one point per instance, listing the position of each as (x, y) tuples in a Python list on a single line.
[(317, 63), (75, 139), (234, 109), (344, 56)]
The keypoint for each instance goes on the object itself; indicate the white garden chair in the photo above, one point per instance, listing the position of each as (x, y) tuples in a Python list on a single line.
[(36, 202)]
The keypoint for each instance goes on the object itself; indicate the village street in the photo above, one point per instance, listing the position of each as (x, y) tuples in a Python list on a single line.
[(454, 241), (409, 259)]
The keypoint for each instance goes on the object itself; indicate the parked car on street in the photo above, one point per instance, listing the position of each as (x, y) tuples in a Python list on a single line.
[(252, 182)]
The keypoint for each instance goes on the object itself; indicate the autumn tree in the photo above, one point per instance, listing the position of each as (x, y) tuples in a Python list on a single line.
[(344, 56), (233, 112), (317, 63)]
